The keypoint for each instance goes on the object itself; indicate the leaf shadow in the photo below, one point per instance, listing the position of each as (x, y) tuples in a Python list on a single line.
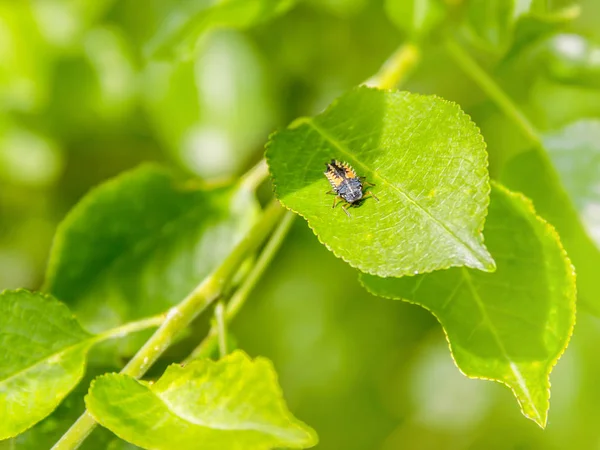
[(343, 132)]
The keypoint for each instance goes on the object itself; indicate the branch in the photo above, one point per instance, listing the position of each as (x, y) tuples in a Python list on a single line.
[(239, 298), (181, 315)]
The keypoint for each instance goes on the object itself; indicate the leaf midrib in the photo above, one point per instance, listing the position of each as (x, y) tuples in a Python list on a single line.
[(494, 332), (342, 148), (24, 370), (250, 426), (273, 431)]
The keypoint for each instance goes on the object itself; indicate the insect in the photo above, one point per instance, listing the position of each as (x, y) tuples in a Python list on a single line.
[(347, 186)]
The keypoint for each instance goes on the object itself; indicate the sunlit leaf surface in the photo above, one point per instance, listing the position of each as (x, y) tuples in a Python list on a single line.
[(233, 404), (42, 357), (429, 166), (509, 326)]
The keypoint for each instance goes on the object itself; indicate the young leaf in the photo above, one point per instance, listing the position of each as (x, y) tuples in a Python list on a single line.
[(140, 243), (42, 357), (532, 28), (415, 17), (234, 404), (510, 326), (428, 162), (182, 29), (491, 23), (501, 25)]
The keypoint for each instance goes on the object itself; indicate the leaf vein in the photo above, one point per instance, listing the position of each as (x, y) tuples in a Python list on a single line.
[(410, 201)]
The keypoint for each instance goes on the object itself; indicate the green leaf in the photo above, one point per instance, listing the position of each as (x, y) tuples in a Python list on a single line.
[(196, 126), (138, 244), (491, 23), (232, 404), (182, 29), (533, 28), (26, 60), (553, 203), (48, 431), (573, 59), (500, 25), (509, 326), (428, 162), (42, 357), (415, 17)]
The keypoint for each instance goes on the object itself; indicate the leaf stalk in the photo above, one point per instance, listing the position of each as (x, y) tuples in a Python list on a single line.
[(241, 294), (180, 316), (397, 67)]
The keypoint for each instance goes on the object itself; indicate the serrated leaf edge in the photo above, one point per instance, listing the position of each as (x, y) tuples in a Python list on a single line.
[(483, 172), (541, 421), (311, 435)]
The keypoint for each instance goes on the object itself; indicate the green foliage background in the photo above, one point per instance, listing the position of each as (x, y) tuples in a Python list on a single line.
[(80, 102)]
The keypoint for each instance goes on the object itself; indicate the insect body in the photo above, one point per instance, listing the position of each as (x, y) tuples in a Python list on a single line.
[(347, 186)]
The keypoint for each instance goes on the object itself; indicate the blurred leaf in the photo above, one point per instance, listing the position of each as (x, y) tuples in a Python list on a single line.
[(215, 112), (42, 357), (573, 59), (340, 8), (141, 242), (28, 158), (576, 102), (26, 61), (428, 161), (234, 403), (533, 175), (575, 151), (182, 29), (115, 82), (532, 28), (415, 17), (510, 326), (95, 90), (500, 25), (63, 22), (491, 23)]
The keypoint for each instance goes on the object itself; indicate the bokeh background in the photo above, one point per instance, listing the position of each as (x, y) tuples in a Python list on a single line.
[(80, 102)]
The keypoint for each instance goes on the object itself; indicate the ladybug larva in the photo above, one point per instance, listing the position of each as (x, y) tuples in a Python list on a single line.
[(348, 187)]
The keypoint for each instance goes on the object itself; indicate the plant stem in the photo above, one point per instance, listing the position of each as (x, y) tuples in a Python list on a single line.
[(505, 103), (393, 72), (489, 86), (221, 328), (397, 68), (181, 315), (239, 298), (255, 176), (131, 327)]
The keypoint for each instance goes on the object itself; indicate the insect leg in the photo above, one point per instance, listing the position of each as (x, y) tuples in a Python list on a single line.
[(369, 193), (346, 210), (336, 201)]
